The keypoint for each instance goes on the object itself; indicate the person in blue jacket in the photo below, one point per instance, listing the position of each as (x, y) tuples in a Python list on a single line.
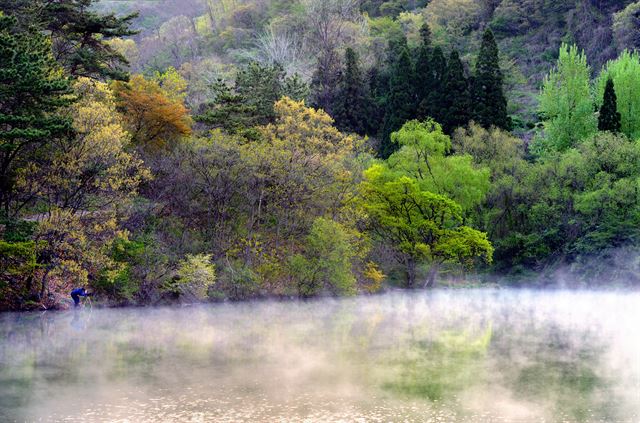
[(77, 293)]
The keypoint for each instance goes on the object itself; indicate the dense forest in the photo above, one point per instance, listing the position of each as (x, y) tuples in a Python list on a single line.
[(157, 151)]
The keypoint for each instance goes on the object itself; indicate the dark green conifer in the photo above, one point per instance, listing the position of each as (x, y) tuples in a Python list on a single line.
[(490, 104), (32, 90), (324, 81), (424, 72), (353, 101), (229, 110), (457, 99), (250, 103), (378, 91), (433, 105), (80, 35), (400, 106), (610, 118)]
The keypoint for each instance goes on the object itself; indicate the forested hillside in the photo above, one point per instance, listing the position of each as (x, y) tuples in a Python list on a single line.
[(207, 39), (158, 151)]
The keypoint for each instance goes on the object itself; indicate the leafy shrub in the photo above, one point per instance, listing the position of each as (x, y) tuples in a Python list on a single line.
[(326, 263), (195, 274)]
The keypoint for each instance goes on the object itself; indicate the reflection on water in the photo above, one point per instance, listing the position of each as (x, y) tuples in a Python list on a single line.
[(467, 356)]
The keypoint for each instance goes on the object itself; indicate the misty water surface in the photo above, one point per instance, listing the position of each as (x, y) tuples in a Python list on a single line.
[(440, 356)]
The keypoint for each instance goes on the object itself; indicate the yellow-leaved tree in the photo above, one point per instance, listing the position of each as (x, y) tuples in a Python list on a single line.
[(83, 186), (153, 110)]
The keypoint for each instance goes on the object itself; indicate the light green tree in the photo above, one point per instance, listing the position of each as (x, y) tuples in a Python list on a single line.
[(424, 156), (566, 104), (326, 263), (419, 225), (418, 199), (625, 74), (194, 276)]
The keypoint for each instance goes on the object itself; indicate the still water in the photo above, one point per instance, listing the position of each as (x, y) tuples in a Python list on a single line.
[(439, 356)]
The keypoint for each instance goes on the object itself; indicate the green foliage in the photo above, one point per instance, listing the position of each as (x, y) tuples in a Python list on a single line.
[(194, 276), (424, 73), (228, 111), (565, 102), (273, 190), (626, 25), (433, 101), (351, 111), (625, 74), (18, 265), (457, 111), (17, 259), (238, 282), (326, 262), (119, 283), (400, 106), (80, 36), (573, 204), (12, 230), (424, 156), (411, 200), (490, 103), (250, 102), (33, 91), (609, 117)]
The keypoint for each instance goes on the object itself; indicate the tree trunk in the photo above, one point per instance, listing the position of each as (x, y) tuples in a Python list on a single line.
[(411, 272), (43, 286), (431, 278)]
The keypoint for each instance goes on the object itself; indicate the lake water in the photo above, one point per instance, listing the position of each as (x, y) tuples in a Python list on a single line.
[(436, 356)]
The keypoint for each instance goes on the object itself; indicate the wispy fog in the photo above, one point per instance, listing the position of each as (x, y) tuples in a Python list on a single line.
[(467, 356)]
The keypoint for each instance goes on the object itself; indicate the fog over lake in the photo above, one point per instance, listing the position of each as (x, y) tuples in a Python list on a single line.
[(446, 355)]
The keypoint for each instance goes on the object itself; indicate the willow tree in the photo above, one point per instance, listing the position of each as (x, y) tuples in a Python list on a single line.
[(418, 199)]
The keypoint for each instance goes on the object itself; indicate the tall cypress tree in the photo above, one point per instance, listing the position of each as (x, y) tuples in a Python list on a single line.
[(324, 81), (490, 104), (457, 99), (433, 104), (400, 106), (424, 73), (353, 100), (609, 119), (378, 91)]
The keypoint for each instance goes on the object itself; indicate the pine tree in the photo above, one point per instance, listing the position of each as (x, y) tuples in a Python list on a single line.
[(610, 118), (228, 111), (400, 106), (32, 91), (457, 100), (353, 101), (250, 103), (433, 105), (490, 104), (79, 34)]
